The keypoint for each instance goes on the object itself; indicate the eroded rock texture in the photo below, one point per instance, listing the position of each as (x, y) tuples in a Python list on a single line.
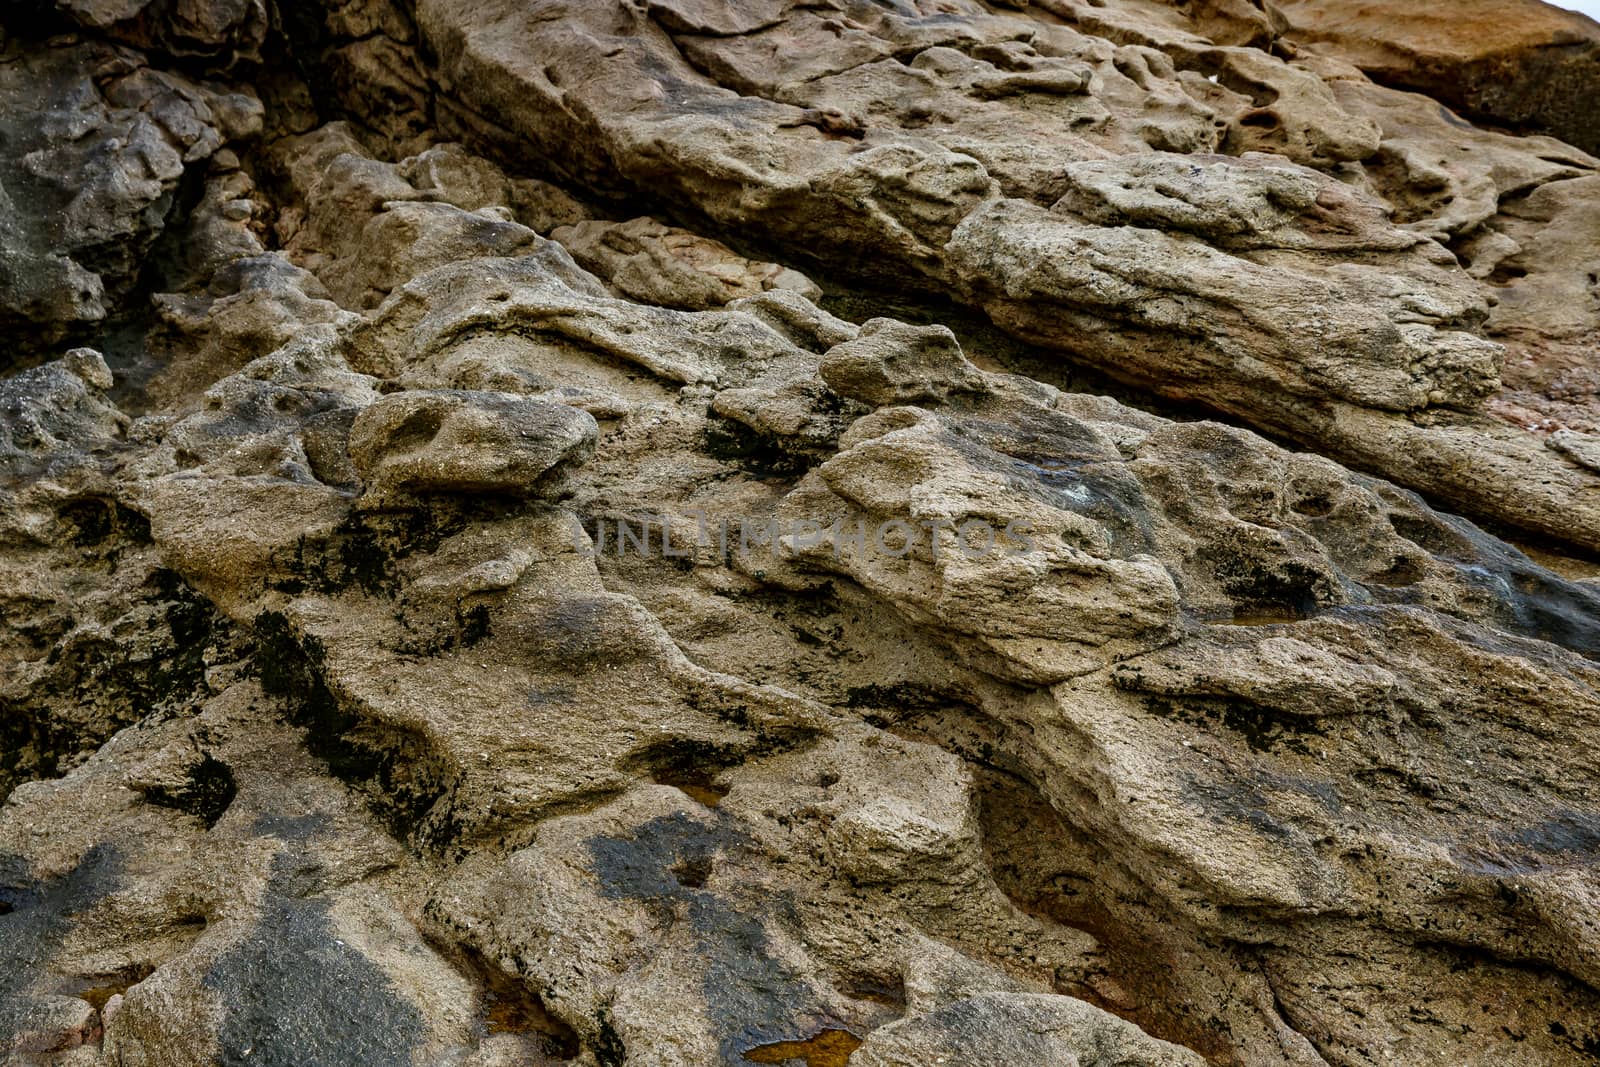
[(887, 532)]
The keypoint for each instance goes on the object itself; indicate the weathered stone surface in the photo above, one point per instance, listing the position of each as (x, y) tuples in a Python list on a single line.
[(96, 143), (999, 1028), (233, 29), (941, 164), (462, 442), (660, 264), (439, 625), (1522, 64), (366, 228), (890, 363)]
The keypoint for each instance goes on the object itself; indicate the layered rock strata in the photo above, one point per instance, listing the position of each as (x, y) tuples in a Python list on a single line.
[(571, 532)]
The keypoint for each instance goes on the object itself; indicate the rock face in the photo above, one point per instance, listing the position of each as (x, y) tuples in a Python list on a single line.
[(96, 144), (1521, 64), (694, 533)]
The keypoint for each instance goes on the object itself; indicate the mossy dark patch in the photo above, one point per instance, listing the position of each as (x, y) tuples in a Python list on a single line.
[(761, 454), (609, 1051), (395, 769), (474, 625), (1264, 729), (205, 793), (189, 617), (96, 524), (767, 738), (884, 706), (365, 549), (151, 661), (1564, 832), (422, 637), (1281, 586), (640, 865)]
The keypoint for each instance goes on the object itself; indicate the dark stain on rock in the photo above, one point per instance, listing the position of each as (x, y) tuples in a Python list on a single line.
[(38, 917), (640, 867), (153, 659), (887, 706), (1263, 728), (1239, 802), (609, 1050), (474, 625), (1519, 595), (889, 989), (753, 999), (1565, 837), (688, 766), (1543, 605), (299, 997), (102, 524), (396, 769), (582, 629), (551, 694), (1286, 587), (365, 549)]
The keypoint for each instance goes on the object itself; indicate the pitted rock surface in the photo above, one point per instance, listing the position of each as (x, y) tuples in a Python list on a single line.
[(875, 532)]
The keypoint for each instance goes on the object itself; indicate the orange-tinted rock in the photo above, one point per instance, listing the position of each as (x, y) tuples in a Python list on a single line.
[(1520, 63)]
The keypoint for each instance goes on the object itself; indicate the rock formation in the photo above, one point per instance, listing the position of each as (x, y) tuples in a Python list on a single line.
[(892, 532)]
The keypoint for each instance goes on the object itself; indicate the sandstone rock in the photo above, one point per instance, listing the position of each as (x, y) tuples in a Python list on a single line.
[(460, 442), (181, 905), (97, 142), (888, 363), (416, 648), (181, 28), (659, 264), (1526, 64), (939, 140), (57, 415), (366, 228), (999, 1028), (253, 305)]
